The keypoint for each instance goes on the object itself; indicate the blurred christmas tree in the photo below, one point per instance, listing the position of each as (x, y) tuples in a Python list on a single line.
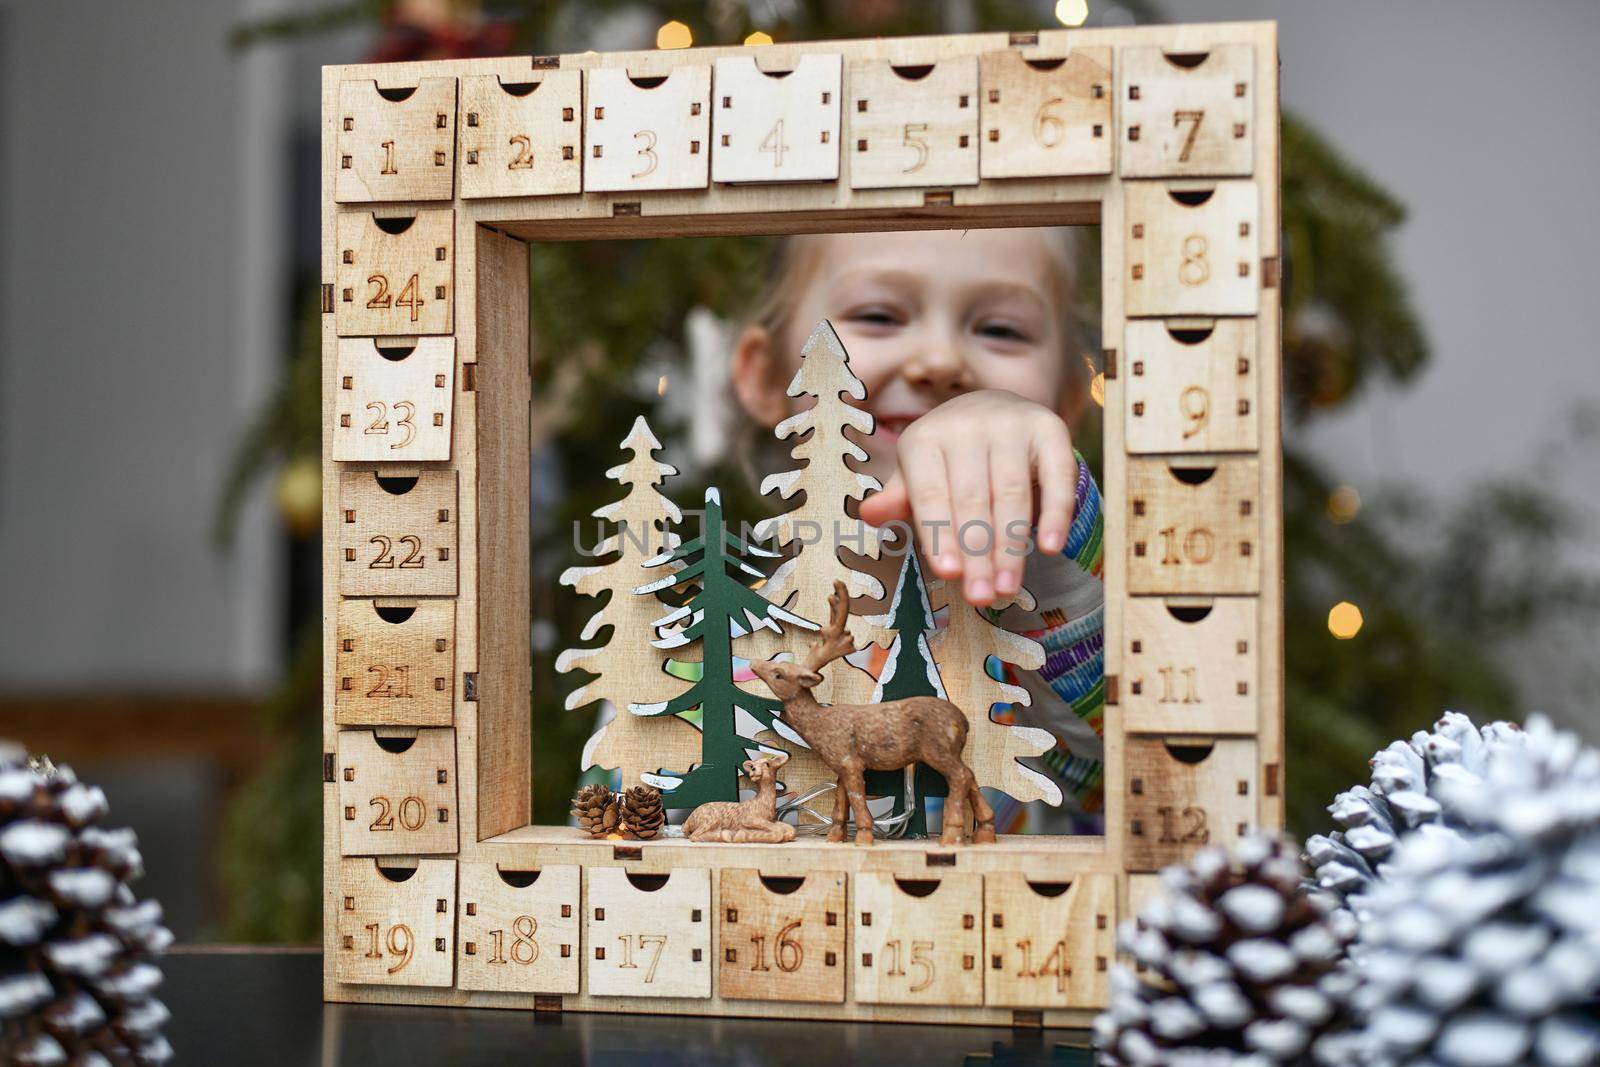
[(1439, 592)]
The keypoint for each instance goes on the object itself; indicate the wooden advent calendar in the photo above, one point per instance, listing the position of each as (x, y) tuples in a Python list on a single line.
[(437, 175)]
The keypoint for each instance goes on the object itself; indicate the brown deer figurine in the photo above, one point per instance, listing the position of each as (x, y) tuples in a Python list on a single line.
[(855, 738), (745, 821)]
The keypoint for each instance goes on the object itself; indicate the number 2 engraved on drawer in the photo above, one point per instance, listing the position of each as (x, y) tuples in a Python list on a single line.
[(385, 557), (659, 941), (1193, 832), (921, 958), (523, 160)]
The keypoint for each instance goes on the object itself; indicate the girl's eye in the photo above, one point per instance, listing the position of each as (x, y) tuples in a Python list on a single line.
[(1002, 331), (875, 316)]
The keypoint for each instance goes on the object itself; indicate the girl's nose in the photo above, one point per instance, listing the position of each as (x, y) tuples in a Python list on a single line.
[(939, 368)]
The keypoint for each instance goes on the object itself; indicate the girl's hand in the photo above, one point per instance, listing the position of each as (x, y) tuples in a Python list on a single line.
[(972, 464)]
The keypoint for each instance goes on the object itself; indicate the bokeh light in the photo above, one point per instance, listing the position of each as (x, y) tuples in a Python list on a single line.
[(1344, 504), (759, 37), (1344, 620), (674, 34), (1072, 12)]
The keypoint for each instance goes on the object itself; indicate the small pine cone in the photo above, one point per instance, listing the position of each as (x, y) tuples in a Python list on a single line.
[(76, 977), (642, 814), (1409, 789), (1240, 960), (596, 809), (1483, 946)]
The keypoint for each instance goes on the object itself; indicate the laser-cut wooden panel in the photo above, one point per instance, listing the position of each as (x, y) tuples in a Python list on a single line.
[(640, 138), (399, 672), (1190, 665), (396, 149), (522, 138), (397, 933), (1046, 117), (394, 409), (777, 128), (641, 943), (1048, 948), (397, 803), (397, 534), (1182, 798), (1192, 250), (1191, 386), (903, 131), (516, 935), (781, 945), (918, 949), (1194, 526), (1187, 119), (395, 284)]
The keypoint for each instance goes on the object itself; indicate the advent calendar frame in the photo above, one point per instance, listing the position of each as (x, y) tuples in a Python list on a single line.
[(483, 157)]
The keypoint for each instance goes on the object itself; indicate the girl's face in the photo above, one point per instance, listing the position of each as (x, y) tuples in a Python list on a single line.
[(925, 316)]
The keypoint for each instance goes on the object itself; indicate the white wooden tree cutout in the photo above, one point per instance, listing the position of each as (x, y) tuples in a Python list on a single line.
[(962, 650), (629, 666)]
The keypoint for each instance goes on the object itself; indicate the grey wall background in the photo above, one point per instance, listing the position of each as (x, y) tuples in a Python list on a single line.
[(144, 232)]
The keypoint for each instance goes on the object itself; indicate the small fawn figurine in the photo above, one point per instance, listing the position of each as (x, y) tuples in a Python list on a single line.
[(855, 738), (744, 821)]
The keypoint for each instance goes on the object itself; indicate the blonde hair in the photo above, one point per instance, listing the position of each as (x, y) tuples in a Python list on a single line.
[(793, 262)]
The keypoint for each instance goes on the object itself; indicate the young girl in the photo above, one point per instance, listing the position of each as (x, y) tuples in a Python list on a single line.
[(968, 345)]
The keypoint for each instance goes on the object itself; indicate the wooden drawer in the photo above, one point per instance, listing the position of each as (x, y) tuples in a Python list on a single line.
[(647, 935), (394, 402), (918, 942), (397, 142), (1190, 386), (1186, 792), (1194, 527), (397, 534), (1049, 945), (1190, 664), (912, 125), (646, 133), (397, 794), (522, 138), (396, 925), (1192, 249), (395, 663), (519, 929), (1189, 114), (781, 938), (781, 126), (1044, 117), (396, 274)]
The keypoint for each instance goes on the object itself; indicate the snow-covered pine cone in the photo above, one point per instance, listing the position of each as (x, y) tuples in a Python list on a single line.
[(76, 977), (596, 808), (1483, 947), (1244, 955), (1405, 794), (642, 813)]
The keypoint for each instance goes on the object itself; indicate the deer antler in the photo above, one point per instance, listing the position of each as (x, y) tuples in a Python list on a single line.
[(836, 641)]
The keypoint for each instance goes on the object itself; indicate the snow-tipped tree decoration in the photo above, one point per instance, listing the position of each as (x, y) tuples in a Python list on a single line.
[(77, 977), (1405, 794), (819, 525), (1241, 961), (965, 649), (1480, 944), (910, 671), (628, 667), (722, 609)]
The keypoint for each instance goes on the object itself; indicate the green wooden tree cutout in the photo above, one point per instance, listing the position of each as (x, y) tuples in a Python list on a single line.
[(626, 666), (722, 608), (910, 671)]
